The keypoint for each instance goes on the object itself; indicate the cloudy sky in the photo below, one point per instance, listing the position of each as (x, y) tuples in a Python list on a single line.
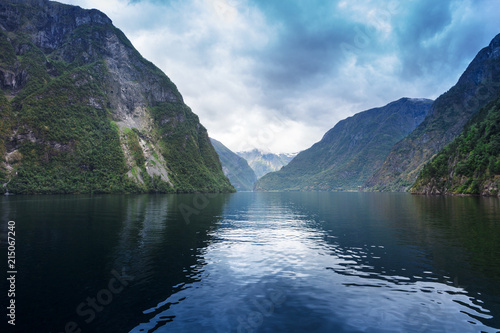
[(277, 74)]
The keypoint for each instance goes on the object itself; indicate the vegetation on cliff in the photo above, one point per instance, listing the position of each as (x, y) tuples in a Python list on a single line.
[(478, 85), (83, 112), (471, 163), (351, 151)]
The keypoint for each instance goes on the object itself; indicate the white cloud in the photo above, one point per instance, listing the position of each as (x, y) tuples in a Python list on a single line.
[(274, 76)]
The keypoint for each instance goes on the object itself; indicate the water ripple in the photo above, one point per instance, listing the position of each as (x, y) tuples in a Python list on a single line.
[(328, 278)]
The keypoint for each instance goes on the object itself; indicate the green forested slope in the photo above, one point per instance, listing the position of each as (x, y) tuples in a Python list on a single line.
[(471, 163), (351, 151), (83, 112)]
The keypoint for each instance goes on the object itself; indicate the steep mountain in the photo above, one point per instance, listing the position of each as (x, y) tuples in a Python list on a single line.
[(264, 162), (236, 168), (478, 85), (82, 111), (351, 151), (471, 163)]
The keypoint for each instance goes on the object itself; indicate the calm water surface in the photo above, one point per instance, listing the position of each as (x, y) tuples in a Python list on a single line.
[(255, 262)]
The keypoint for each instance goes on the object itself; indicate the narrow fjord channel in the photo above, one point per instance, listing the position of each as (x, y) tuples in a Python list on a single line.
[(256, 262)]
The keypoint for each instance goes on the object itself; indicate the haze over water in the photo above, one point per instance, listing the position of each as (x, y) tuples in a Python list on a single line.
[(257, 262)]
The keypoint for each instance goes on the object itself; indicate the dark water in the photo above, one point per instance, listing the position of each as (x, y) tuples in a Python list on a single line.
[(255, 262)]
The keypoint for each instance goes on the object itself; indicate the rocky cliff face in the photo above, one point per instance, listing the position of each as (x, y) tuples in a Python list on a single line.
[(236, 168), (85, 112), (478, 85), (471, 163), (351, 151)]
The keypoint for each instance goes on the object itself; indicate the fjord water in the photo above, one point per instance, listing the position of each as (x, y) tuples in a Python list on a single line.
[(255, 262)]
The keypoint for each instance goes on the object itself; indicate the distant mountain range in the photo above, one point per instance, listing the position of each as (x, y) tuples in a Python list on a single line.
[(242, 172), (236, 168), (386, 149), (264, 162), (351, 151)]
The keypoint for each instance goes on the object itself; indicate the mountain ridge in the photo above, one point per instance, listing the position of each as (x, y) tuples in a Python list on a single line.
[(348, 153), (477, 86)]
